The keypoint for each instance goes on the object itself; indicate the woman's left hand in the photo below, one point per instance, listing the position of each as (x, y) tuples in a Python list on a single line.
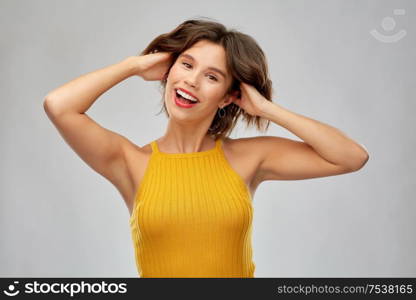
[(251, 101)]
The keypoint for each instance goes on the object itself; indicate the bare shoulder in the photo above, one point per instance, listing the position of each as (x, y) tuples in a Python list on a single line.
[(247, 146), (136, 158), (236, 143), (258, 145), (253, 152), (136, 155), (130, 147), (242, 155)]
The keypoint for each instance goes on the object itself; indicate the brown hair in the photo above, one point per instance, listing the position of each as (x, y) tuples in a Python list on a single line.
[(245, 60)]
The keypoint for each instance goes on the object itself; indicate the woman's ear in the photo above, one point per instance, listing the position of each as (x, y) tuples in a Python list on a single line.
[(232, 97), (235, 95)]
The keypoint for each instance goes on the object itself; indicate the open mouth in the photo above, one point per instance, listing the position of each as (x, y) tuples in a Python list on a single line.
[(183, 99)]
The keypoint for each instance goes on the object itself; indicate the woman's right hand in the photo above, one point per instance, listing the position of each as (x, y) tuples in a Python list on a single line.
[(152, 66)]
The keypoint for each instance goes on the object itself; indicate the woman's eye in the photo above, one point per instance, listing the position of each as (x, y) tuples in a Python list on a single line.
[(213, 77), (210, 76)]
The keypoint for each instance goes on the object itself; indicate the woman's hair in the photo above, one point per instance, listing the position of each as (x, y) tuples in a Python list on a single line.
[(245, 60)]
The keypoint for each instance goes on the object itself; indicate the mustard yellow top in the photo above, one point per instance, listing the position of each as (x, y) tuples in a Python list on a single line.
[(192, 217)]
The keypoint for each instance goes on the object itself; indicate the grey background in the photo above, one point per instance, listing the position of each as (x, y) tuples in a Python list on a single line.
[(60, 218)]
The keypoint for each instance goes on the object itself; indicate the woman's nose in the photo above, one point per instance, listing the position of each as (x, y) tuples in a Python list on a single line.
[(192, 79)]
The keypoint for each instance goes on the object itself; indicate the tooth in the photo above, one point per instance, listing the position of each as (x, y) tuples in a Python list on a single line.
[(185, 95)]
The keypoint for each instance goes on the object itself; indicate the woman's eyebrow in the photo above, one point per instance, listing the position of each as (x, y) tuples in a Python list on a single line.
[(210, 68)]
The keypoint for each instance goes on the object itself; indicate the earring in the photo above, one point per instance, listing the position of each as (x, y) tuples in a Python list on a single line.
[(221, 116), (219, 112)]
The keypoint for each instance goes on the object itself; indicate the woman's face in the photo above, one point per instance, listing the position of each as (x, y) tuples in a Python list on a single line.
[(201, 71)]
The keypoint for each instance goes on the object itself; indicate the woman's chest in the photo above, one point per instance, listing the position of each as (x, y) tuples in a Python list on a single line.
[(234, 168)]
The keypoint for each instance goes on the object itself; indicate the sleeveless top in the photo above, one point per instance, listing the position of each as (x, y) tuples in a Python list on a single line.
[(192, 217)]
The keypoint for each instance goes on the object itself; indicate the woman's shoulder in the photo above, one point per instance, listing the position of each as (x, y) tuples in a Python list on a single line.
[(244, 146), (131, 148), (255, 147), (241, 142), (252, 141)]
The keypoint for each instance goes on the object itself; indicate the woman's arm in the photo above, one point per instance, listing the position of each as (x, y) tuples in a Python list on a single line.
[(102, 149), (326, 151), (80, 93), (329, 142)]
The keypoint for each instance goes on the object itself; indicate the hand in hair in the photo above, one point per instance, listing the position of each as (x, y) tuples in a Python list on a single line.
[(153, 66), (251, 101)]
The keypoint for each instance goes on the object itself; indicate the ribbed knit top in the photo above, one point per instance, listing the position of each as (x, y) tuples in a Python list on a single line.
[(192, 217)]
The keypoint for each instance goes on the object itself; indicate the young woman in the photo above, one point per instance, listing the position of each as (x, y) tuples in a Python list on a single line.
[(190, 191)]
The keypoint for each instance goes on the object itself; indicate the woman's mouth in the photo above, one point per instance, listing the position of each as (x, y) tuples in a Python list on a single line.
[(181, 101)]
